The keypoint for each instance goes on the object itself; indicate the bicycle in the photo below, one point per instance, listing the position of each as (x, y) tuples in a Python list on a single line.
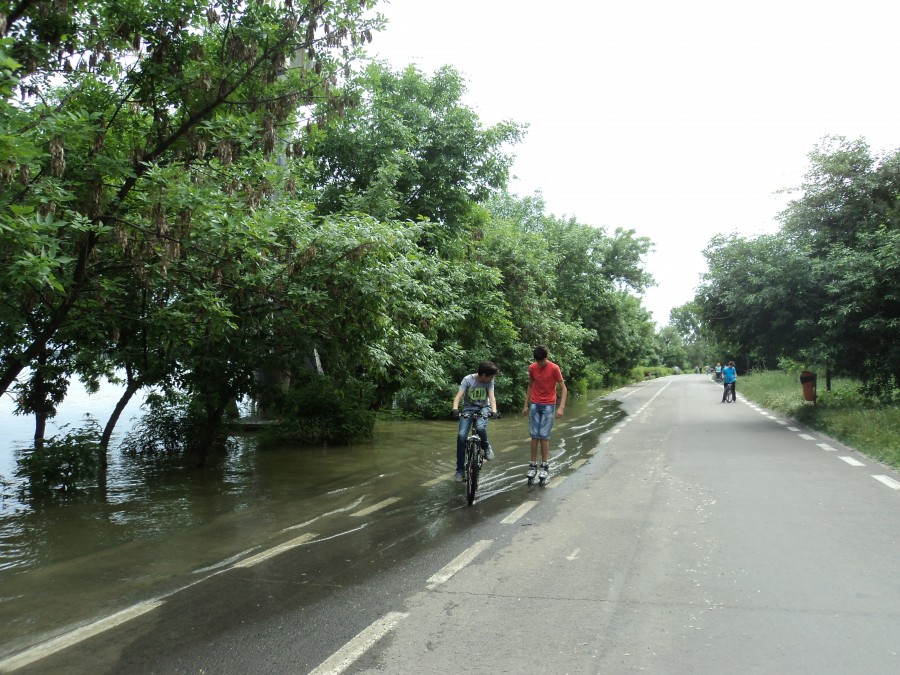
[(730, 395), (474, 455)]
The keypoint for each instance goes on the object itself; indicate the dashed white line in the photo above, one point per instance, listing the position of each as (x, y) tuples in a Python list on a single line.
[(376, 507), (573, 554), (825, 446), (555, 482), (793, 429), (272, 552), (518, 513), (806, 437), (40, 651), (579, 463), (458, 563), (887, 480), (344, 657), (439, 479), (851, 461)]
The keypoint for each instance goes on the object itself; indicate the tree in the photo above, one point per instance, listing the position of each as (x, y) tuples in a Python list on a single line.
[(135, 123)]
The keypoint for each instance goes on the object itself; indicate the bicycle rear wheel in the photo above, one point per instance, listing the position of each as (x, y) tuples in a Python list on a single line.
[(472, 469)]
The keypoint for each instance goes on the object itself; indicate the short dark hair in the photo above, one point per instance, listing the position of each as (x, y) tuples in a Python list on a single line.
[(540, 352), (487, 368)]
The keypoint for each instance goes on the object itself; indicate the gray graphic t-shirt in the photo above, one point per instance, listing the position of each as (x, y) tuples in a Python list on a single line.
[(476, 393)]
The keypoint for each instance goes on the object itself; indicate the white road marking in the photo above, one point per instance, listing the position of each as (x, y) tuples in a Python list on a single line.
[(45, 649), (580, 463), (375, 507), (458, 563), (272, 552), (887, 480), (594, 451), (825, 446), (439, 479), (851, 461), (793, 429), (615, 431), (573, 554), (606, 440), (806, 437), (555, 482), (359, 645), (518, 513), (781, 422)]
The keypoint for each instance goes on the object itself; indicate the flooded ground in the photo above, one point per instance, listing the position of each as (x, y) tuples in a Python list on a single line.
[(158, 528)]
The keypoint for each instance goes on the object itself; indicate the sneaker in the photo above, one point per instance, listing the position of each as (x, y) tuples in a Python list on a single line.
[(544, 472), (532, 470), (489, 453), (460, 477)]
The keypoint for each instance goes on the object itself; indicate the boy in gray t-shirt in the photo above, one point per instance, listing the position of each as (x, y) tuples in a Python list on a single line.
[(476, 391)]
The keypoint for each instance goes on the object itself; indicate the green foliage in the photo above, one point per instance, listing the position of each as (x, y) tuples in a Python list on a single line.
[(824, 288), (63, 463), (319, 411)]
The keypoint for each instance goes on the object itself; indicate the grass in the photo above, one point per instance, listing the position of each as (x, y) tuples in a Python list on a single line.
[(843, 413)]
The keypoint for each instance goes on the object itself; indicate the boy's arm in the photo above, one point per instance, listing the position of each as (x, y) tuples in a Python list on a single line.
[(527, 398), (457, 399), (492, 401), (564, 394)]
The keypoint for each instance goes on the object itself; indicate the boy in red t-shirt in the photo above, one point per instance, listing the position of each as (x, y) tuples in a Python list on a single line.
[(540, 408)]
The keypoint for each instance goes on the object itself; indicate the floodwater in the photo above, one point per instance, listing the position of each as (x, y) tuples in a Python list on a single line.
[(159, 527)]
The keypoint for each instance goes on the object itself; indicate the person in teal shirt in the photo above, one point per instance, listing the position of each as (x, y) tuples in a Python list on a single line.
[(729, 374)]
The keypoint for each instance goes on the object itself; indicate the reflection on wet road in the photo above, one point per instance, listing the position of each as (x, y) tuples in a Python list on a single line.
[(157, 530)]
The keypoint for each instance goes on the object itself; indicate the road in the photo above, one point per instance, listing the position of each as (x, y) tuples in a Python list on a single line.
[(695, 537)]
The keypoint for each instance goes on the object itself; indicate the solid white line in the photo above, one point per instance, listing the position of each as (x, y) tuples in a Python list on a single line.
[(344, 657), (375, 507), (458, 563), (806, 437), (887, 480), (272, 552), (518, 513), (45, 649), (851, 461)]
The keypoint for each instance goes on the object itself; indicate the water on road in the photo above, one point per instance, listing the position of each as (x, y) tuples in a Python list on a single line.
[(158, 528)]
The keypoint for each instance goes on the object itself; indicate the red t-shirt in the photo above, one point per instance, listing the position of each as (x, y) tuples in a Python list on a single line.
[(543, 382)]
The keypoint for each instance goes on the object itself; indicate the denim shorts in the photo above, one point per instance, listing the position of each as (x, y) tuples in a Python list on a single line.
[(540, 419)]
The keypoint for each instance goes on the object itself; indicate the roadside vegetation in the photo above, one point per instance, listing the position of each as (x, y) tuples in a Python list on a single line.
[(861, 422)]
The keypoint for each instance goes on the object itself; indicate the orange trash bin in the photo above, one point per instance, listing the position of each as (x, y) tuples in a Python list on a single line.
[(808, 380)]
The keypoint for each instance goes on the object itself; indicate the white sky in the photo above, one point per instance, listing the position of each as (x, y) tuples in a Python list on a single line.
[(679, 120)]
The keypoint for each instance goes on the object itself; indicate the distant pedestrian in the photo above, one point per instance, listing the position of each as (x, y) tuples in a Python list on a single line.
[(718, 372), (544, 377)]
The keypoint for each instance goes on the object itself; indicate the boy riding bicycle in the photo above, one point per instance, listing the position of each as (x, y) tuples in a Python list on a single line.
[(477, 394)]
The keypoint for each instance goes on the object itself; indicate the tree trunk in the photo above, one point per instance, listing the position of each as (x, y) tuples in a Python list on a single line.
[(103, 452)]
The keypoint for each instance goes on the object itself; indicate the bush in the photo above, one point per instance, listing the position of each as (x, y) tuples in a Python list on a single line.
[(319, 411), (64, 462)]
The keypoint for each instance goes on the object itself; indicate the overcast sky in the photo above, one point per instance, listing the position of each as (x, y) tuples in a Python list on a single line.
[(679, 120)]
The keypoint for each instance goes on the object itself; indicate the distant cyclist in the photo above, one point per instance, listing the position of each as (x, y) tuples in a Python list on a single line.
[(729, 374), (476, 391)]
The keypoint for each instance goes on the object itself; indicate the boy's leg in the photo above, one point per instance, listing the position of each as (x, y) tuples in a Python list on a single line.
[(545, 450), (461, 444)]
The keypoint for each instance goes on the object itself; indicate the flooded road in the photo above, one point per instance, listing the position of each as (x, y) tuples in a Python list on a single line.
[(158, 529)]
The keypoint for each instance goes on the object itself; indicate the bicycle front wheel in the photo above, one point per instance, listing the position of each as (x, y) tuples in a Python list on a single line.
[(471, 472)]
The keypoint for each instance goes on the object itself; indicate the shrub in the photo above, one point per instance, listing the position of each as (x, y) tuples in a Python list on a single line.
[(63, 462)]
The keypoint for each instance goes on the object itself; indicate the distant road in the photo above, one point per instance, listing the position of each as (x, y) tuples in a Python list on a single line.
[(696, 537)]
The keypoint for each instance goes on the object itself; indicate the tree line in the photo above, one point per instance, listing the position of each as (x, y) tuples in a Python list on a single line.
[(194, 196), (822, 290)]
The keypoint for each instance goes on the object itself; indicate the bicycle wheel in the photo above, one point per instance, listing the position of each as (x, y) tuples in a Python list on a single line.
[(471, 471), (729, 394)]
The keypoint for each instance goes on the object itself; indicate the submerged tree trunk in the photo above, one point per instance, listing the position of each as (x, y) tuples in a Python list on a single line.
[(103, 451)]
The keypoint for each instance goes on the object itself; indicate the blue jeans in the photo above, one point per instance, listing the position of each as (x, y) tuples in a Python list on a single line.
[(463, 434), (540, 419)]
